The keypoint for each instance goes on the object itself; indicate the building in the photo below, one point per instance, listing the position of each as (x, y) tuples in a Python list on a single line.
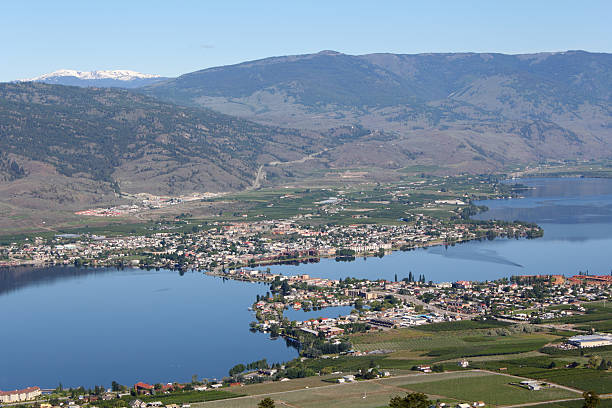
[(462, 284), (142, 387), (591, 340), (26, 394), (591, 280), (531, 385), (463, 363)]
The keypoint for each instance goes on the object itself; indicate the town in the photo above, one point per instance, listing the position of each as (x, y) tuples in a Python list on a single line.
[(215, 246)]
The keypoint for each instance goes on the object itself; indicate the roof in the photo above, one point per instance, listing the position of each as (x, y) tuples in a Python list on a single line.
[(23, 391), (591, 337)]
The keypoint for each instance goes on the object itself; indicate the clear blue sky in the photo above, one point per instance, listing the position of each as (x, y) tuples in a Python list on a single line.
[(175, 37)]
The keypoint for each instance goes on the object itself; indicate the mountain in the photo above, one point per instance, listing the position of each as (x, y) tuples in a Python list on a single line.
[(100, 79), (71, 147), (459, 111)]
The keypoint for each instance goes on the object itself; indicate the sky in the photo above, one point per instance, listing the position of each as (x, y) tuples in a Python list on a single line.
[(170, 38)]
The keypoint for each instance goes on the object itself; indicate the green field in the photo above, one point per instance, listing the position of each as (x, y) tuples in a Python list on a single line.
[(582, 378), (452, 387), (462, 325), (446, 344), (492, 389)]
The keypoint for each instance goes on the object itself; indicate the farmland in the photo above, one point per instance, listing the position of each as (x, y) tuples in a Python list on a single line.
[(451, 387), (492, 389)]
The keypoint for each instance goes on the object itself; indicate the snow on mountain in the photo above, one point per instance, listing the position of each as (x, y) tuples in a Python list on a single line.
[(117, 74), (118, 78)]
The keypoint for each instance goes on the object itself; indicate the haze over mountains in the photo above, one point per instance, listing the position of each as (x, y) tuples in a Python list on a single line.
[(294, 116)]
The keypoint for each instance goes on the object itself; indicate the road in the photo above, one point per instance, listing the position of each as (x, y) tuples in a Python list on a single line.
[(258, 178)]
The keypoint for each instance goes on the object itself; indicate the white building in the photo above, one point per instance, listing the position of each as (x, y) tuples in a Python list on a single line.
[(591, 340), (26, 394)]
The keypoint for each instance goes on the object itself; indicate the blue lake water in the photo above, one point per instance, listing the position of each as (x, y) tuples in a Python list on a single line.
[(87, 327), (92, 328)]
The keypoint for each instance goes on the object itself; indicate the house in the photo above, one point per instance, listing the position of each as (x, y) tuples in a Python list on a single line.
[(349, 378), (331, 331), (137, 403), (107, 396), (463, 405), (462, 284), (463, 363), (478, 404)]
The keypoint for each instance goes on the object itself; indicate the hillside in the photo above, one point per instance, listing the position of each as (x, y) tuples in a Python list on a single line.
[(473, 112), (71, 147)]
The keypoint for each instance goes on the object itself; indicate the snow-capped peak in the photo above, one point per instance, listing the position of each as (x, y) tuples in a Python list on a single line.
[(117, 74)]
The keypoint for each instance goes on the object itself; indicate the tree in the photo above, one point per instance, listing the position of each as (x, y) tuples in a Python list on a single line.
[(411, 400), (591, 399), (594, 361), (603, 365), (266, 403), (237, 369), (285, 289)]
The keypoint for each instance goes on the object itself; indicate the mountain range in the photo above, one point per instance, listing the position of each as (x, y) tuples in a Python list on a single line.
[(468, 111), (103, 79), (281, 119)]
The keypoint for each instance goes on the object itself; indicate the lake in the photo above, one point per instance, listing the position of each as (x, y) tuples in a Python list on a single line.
[(93, 326), (576, 215)]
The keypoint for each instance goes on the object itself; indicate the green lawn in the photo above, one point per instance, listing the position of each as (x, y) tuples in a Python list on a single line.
[(492, 389)]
